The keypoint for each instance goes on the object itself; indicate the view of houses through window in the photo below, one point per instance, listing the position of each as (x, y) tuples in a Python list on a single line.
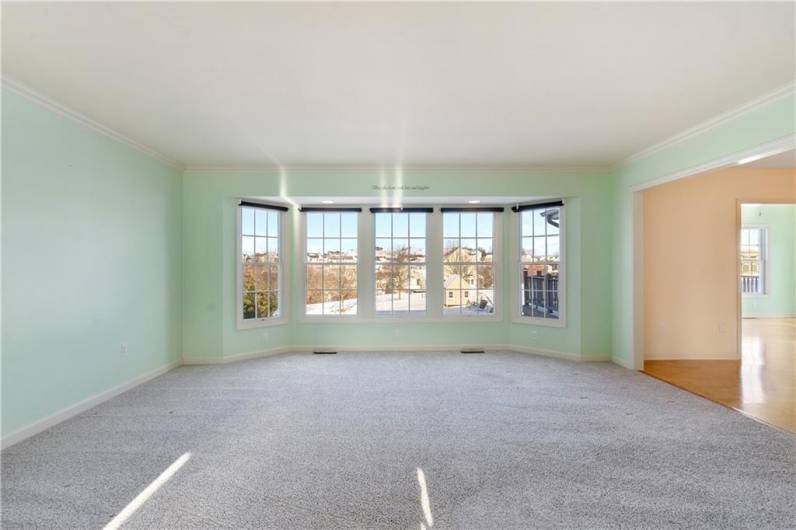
[(260, 262), (469, 275), (540, 262), (400, 262), (331, 263), (753, 260)]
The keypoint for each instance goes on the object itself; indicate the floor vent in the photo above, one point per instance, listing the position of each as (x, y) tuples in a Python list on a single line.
[(324, 352), (472, 350)]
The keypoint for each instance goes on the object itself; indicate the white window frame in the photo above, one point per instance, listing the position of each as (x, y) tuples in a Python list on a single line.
[(366, 274), (282, 318), (495, 264), (765, 260), (516, 284), (340, 317), (402, 315)]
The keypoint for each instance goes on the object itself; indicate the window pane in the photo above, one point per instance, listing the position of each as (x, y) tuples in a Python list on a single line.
[(485, 278), (261, 249), (553, 252), (383, 301), (314, 303), (315, 250), (331, 224), (274, 303), (348, 250), (417, 225), (274, 276), (383, 225), (262, 306), (261, 279), (485, 222), (539, 248), (400, 249), (248, 305), (485, 250), (527, 248), (417, 278), (273, 249), (552, 304), (331, 250), (400, 225), (538, 223), (273, 224), (331, 277), (469, 254), (451, 252), (384, 278), (247, 246), (484, 303), (417, 301), (314, 277), (417, 250), (553, 219), (314, 224), (260, 222), (450, 225), (467, 224), (348, 224), (348, 278), (332, 306), (527, 223), (247, 221), (383, 250), (248, 277)]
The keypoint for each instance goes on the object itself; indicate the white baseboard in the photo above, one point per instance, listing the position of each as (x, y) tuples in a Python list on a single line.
[(624, 363), (381, 348), (82, 406), (188, 361)]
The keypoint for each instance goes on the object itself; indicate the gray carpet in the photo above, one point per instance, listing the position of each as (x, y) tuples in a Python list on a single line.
[(504, 440)]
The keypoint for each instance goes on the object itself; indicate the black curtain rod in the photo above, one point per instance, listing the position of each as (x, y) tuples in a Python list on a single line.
[(536, 206), (401, 210), (473, 209), (330, 209), (263, 206)]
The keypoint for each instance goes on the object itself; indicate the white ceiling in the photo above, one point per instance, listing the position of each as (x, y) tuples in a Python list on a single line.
[(780, 161), (252, 84)]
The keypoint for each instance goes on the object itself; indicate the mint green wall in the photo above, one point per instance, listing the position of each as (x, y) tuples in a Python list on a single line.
[(91, 259), (758, 126), (780, 219), (209, 261)]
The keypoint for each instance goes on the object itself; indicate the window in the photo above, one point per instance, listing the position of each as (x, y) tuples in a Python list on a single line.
[(260, 264), (753, 260), (400, 260), (331, 262), (540, 261), (468, 262)]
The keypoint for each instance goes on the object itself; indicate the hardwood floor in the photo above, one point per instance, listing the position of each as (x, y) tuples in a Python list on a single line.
[(762, 384)]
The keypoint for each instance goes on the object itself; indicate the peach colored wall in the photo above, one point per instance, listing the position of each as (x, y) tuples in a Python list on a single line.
[(690, 288)]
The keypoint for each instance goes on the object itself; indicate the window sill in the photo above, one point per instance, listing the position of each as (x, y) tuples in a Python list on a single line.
[(392, 319), (262, 323), (545, 322)]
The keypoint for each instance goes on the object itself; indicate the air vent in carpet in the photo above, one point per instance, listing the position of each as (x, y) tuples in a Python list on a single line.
[(324, 352), (472, 350)]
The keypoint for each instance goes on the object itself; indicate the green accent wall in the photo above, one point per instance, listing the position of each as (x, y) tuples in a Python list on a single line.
[(758, 126), (780, 298), (209, 262), (91, 259)]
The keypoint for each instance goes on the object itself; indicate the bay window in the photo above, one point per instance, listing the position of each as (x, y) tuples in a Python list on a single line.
[(260, 265), (540, 261), (400, 260), (330, 261)]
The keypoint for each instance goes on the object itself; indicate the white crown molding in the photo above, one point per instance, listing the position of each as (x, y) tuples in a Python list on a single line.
[(390, 170), (49, 104), (714, 122)]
